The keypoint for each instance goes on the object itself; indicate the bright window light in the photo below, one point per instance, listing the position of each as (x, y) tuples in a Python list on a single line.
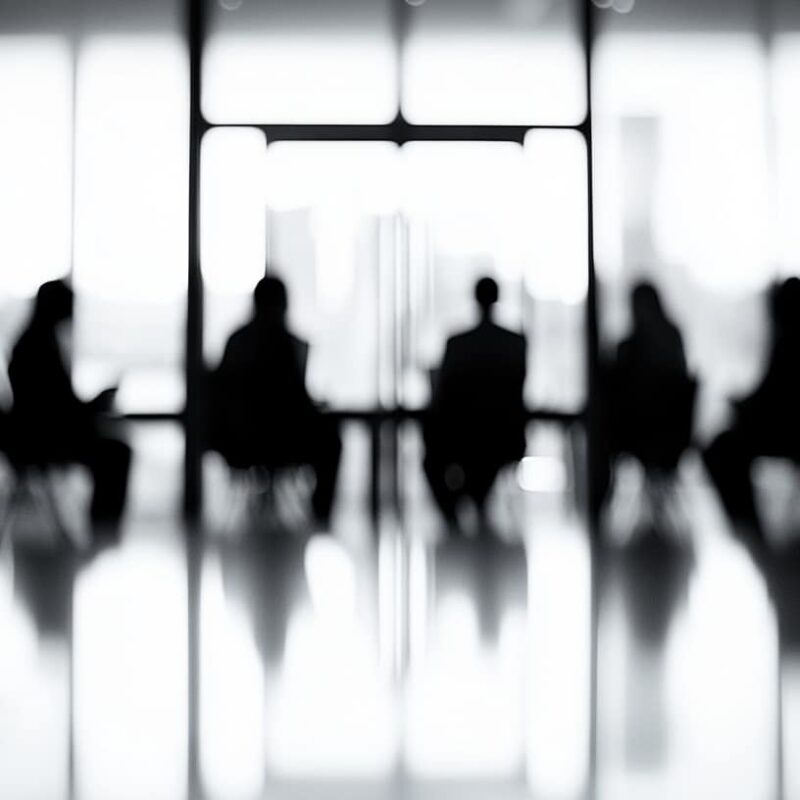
[(470, 197), (233, 211), (556, 235), (493, 78), (299, 78), (35, 161), (786, 75), (132, 168), (710, 213)]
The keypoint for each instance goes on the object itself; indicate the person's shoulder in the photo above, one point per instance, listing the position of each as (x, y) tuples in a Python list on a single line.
[(239, 341), (512, 338), (297, 341), (26, 342)]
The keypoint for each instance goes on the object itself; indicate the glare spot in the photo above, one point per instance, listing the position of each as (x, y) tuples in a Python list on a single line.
[(542, 474)]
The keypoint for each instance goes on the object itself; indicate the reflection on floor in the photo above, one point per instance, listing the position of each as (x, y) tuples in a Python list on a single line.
[(393, 661)]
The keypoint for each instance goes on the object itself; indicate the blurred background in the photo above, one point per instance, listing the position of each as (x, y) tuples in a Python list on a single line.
[(386, 640)]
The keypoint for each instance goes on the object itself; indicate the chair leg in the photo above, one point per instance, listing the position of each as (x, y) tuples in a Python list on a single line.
[(10, 507), (51, 506)]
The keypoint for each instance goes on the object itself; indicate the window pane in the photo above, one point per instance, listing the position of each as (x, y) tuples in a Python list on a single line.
[(494, 61), (478, 209), (305, 61), (684, 197), (35, 152), (131, 213), (321, 215), (556, 266), (233, 229), (331, 235)]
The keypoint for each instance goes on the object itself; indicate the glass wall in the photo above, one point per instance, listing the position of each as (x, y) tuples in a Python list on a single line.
[(696, 179), (493, 62), (305, 61), (93, 177)]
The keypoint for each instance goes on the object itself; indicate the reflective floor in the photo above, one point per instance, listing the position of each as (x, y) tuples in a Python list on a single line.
[(393, 661)]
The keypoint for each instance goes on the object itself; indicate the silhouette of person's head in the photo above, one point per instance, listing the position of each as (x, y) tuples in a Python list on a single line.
[(271, 299), (646, 307), (54, 303), (487, 293)]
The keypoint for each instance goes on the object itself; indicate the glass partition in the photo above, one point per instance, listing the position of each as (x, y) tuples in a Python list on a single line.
[(494, 62), (130, 219), (35, 173), (305, 61)]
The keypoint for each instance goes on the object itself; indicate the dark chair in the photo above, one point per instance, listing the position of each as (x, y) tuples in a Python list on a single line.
[(31, 483), (654, 425), (258, 487)]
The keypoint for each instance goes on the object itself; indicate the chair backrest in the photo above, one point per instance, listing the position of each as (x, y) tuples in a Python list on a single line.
[(657, 426)]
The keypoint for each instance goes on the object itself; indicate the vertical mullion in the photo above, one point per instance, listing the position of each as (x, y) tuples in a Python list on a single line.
[(591, 416), (592, 322), (193, 419)]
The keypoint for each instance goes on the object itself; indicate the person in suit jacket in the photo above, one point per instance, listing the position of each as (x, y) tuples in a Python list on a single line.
[(260, 411), (476, 420)]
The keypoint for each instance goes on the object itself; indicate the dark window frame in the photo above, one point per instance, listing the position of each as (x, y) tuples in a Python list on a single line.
[(398, 131)]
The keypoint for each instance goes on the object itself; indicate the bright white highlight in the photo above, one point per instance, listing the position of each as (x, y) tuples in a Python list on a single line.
[(542, 474), (465, 710), (470, 198), (711, 208), (331, 716), (341, 185), (233, 210), (232, 693), (130, 675), (557, 235), (293, 78), (786, 72), (559, 608), (35, 158), (493, 77), (132, 169)]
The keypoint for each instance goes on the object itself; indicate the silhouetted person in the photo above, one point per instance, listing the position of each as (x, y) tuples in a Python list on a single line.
[(766, 422), (649, 394), (476, 420), (51, 424), (260, 411)]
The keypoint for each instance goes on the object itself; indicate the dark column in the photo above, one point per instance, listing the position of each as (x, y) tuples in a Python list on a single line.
[(193, 419)]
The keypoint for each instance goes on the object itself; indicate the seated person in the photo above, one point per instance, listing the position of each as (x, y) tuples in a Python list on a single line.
[(476, 420), (645, 399), (649, 378), (50, 423), (260, 411), (766, 422)]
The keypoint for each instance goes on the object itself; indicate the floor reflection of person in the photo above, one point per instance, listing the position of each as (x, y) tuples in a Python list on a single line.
[(476, 420), (651, 577), (51, 423), (767, 421), (260, 411)]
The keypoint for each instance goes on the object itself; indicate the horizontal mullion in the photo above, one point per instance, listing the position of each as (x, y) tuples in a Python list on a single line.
[(368, 415), (396, 132)]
